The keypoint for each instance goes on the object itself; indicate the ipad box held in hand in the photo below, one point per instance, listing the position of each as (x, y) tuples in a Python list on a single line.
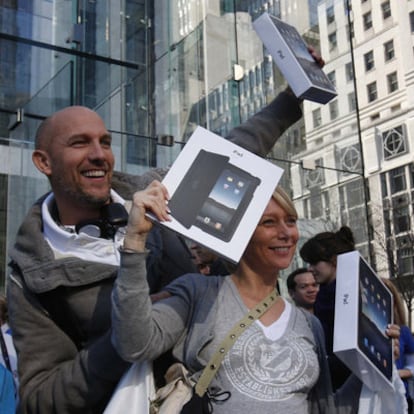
[(363, 309), (290, 53), (218, 192)]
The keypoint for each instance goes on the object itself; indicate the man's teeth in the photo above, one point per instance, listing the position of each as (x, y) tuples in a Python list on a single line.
[(94, 173)]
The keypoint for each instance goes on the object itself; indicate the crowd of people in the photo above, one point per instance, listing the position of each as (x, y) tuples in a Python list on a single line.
[(95, 286)]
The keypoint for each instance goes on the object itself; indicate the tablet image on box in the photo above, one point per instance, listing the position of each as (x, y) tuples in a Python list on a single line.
[(363, 309), (218, 199), (374, 317), (218, 192), (290, 53)]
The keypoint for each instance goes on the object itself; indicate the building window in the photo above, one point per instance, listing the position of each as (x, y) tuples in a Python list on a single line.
[(317, 117), (405, 260), (353, 191), (411, 168), (333, 43), (401, 220), (392, 82), (394, 142), (316, 203), (349, 72), (330, 14), (332, 77), (314, 178), (386, 10), (398, 181), (412, 21), (352, 101), (350, 30), (350, 159), (400, 213), (372, 91), (347, 7), (333, 109), (369, 61), (367, 20), (389, 51)]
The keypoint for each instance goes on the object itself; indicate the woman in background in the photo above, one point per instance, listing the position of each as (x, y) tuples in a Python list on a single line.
[(320, 253), (405, 362)]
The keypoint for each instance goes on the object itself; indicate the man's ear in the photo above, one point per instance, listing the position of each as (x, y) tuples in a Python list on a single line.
[(42, 162)]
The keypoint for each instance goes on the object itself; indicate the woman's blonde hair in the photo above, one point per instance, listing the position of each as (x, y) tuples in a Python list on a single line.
[(283, 199)]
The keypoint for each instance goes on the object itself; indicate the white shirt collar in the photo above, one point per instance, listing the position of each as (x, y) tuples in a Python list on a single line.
[(67, 244)]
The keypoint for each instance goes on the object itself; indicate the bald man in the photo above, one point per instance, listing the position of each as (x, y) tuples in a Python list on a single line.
[(66, 257)]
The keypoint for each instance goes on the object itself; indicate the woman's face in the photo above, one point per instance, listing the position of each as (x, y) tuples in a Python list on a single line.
[(324, 272), (273, 243)]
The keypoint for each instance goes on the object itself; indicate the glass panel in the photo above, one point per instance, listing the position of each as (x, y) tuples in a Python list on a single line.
[(397, 180), (156, 69), (95, 27)]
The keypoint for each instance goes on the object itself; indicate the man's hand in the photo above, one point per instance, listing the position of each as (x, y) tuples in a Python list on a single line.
[(317, 57), (153, 199)]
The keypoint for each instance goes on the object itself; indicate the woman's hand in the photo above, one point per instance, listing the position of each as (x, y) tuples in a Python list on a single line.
[(393, 331), (153, 200)]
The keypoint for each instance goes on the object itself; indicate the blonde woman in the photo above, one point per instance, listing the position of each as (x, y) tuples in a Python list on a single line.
[(277, 365)]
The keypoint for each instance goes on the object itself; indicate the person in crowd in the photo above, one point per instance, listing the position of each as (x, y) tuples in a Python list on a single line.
[(9, 381), (278, 363), (405, 362), (303, 288), (65, 258), (320, 253), (8, 356), (207, 261), (7, 391)]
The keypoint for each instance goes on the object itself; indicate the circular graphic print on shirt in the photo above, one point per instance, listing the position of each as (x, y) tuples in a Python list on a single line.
[(271, 370)]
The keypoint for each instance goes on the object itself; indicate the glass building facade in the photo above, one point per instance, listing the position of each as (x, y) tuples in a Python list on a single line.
[(154, 70)]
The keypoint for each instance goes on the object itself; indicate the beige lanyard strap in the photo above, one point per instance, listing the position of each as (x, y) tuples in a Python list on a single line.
[(215, 361)]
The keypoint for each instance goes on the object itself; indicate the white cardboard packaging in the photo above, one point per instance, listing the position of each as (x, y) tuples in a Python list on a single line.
[(218, 192), (290, 53), (363, 309)]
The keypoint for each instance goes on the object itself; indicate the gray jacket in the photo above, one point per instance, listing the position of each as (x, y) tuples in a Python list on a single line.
[(60, 309), (185, 322)]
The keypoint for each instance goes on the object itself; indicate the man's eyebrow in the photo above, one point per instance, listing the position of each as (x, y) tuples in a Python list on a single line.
[(75, 136), (103, 136)]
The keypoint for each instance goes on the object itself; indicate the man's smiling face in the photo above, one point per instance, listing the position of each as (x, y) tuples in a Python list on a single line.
[(79, 159)]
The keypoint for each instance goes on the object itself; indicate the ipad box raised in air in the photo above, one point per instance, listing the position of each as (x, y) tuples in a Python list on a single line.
[(363, 309), (218, 192), (290, 53)]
